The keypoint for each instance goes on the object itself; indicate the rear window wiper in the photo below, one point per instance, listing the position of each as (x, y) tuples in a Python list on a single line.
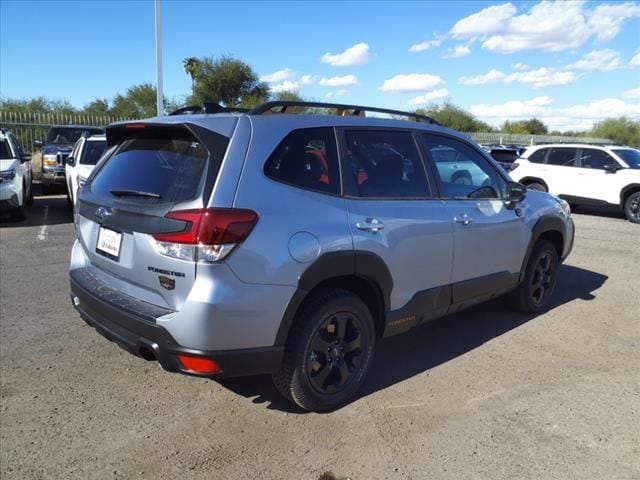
[(132, 193)]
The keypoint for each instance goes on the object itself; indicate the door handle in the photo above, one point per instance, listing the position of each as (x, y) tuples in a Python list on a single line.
[(372, 225), (463, 219)]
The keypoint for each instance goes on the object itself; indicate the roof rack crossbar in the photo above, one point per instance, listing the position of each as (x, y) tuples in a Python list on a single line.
[(357, 109)]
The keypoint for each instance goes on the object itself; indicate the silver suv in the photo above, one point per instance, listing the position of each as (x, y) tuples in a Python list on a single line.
[(260, 242)]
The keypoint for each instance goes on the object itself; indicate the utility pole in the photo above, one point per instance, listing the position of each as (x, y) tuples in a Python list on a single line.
[(159, 95)]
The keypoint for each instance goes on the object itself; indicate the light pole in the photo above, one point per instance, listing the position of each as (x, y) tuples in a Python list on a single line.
[(159, 96)]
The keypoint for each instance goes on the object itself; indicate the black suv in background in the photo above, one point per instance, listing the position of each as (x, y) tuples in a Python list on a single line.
[(505, 155), (56, 148)]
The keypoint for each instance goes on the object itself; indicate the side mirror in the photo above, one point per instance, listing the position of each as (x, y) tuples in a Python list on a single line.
[(70, 161), (37, 143), (25, 157), (515, 193), (611, 168)]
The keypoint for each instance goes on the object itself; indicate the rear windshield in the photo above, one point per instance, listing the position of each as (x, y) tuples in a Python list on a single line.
[(157, 169), (506, 156), (92, 152), (68, 135)]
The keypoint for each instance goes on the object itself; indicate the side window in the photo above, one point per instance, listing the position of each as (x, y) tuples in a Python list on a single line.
[(385, 164), (463, 172), (538, 155), (564, 157), (306, 158), (592, 158)]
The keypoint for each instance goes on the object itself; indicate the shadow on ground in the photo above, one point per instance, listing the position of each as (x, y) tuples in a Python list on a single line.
[(402, 357), (55, 207), (611, 212)]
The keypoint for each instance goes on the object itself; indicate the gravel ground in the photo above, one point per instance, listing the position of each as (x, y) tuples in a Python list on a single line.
[(482, 394)]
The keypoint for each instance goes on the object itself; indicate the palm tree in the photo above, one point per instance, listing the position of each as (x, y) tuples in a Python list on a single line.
[(191, 66)]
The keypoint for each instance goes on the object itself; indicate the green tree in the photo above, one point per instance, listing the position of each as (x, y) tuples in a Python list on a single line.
[(225, 80), (455, 117), (37, 105), (138, 102), (532, 126), (621, 130), (98, 108)]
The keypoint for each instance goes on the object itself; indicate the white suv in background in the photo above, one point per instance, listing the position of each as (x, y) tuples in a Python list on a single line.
[(16, 192), (81, 162), (584, 174)]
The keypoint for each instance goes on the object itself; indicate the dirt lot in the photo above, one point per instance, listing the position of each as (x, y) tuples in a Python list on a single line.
[(483, 394)]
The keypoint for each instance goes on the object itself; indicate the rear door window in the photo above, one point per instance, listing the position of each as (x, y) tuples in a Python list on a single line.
[(562, 157), (307, 158), (159, 166), (385, 164)]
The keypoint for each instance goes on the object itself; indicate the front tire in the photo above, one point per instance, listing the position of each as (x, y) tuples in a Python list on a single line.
[(632, 207), (534, 293), (328, 352), (538, 187), (20, 213)]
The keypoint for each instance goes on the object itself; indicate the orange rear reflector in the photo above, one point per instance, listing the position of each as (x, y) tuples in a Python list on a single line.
[(201, 365)]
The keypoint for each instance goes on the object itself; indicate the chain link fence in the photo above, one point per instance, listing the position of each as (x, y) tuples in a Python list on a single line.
[(31, 127), (524, 140)]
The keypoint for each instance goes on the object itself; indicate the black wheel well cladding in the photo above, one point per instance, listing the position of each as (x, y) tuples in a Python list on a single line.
[(627, 191), (362, 273)]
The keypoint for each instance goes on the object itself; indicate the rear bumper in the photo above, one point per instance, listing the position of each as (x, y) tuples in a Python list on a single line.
[(53, 176), (130, 323)]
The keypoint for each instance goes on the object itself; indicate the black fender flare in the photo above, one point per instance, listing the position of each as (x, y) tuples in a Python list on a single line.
[(627, 190), (365, 265), (546, 223)]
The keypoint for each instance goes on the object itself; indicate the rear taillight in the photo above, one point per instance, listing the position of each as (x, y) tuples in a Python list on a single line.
[(209, 234), (514, 165)]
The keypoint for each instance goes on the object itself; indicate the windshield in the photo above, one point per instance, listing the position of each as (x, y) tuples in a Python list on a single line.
[(92, 151), (67, 135), (631, 156), (5, 151)]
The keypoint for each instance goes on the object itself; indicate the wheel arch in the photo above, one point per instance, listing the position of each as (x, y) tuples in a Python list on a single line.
[(527, 180), (627, 191), (362, 273), (549, 228)]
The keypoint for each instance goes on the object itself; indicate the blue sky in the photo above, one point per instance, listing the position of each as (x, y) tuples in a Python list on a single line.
[(569, 63)]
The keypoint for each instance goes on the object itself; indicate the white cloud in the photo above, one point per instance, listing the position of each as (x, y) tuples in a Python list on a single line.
[(337, 93), (422, 46), (287, 85), (633, 93), (551, 26), (485, 22), (279, 76), (605, 60), (635, 60), (308, 79), (606, 19), (429, 97), (575, 117), (359, 54), (520, 66), (412, 82), (541, 77), (339, 81), (458, 52)]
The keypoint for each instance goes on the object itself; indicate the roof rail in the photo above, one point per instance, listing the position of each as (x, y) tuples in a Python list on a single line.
[(207, 107), (342, 110)]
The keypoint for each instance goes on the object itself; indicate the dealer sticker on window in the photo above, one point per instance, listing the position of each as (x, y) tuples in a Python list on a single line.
[(109, 243)]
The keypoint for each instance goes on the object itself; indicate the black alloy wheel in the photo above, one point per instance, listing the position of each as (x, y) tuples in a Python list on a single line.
[(334, 355)]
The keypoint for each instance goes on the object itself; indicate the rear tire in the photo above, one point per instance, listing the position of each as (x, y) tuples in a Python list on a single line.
[(538, 187), (328, 352), (535, 291), (632, 207)]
